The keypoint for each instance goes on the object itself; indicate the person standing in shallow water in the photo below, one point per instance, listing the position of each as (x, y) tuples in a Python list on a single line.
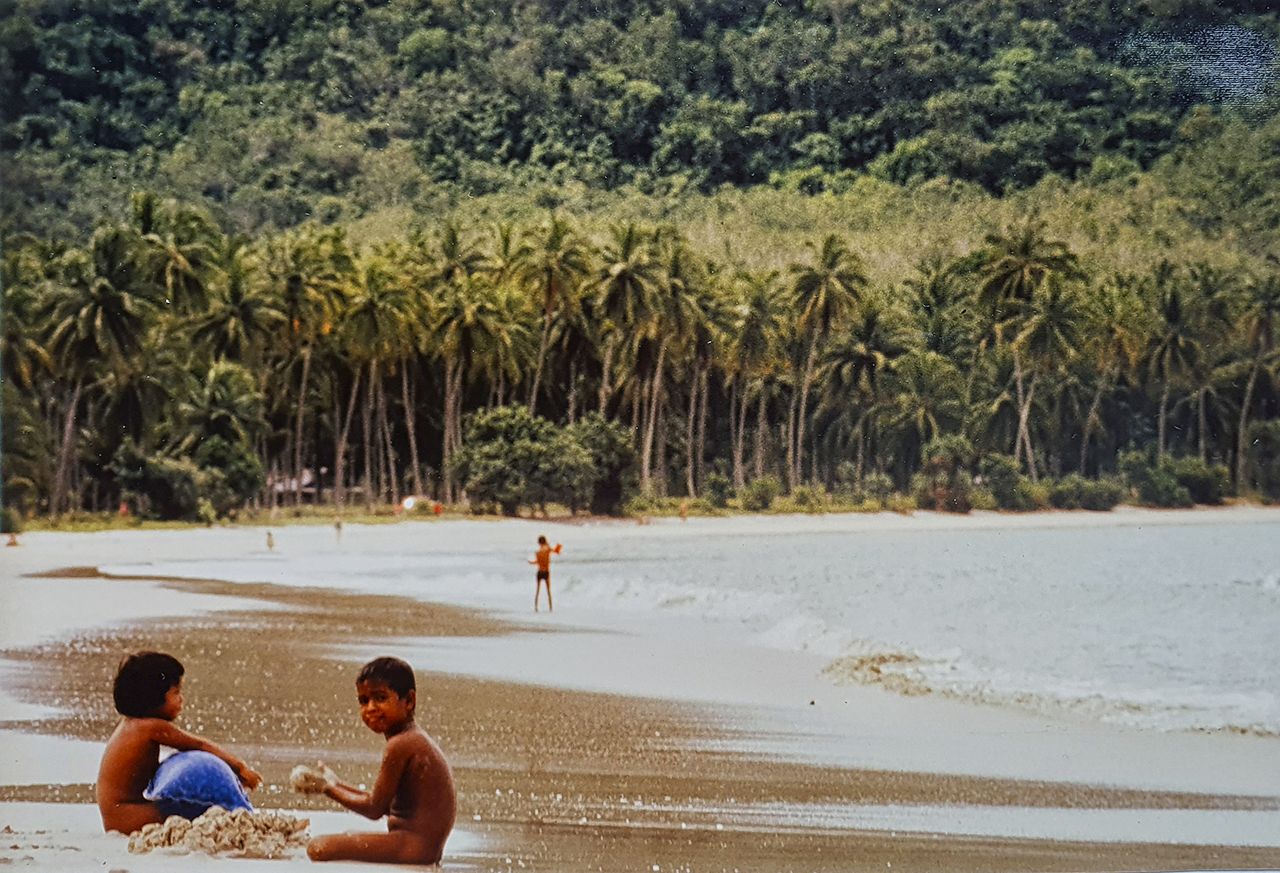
[(543, 559)]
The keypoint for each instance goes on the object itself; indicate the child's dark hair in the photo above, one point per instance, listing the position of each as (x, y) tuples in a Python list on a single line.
[(542, 540), (142, 681), (396, 674)]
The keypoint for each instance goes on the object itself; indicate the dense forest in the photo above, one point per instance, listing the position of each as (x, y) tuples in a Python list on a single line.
[(566, 252)]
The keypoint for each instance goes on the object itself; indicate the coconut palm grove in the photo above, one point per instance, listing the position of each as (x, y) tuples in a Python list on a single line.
[(622, 256)]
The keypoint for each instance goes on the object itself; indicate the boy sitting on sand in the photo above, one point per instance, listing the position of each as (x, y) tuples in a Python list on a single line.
[(414, 787), (134, 787)]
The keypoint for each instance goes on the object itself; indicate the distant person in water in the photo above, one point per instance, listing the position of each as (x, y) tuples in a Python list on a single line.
[(543, 559), (135, 787), (413, 789)]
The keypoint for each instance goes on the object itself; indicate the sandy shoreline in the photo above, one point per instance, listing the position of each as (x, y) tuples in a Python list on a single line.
[(568, 778)]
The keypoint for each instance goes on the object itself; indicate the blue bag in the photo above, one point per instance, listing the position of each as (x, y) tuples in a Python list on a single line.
[(188, 783)]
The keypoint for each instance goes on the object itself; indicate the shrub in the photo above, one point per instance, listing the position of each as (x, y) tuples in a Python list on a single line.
[(809, 498), (718, 489), (878, 487), (1155, 484), (1067, 492), (944, 482), (1264, 446), (759, 494), (10, 520), (613, 459), (1003, 479), (1207, 483)]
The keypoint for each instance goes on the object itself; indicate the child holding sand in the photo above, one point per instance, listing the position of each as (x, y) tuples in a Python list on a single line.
[(414, 787), (543, 559), (134, 787)]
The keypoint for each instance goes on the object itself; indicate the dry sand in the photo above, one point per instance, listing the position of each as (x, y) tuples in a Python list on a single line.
[(548, 778)]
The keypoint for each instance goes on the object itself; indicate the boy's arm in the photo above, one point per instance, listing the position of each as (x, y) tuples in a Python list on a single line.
[(167, 734), (372, 804)]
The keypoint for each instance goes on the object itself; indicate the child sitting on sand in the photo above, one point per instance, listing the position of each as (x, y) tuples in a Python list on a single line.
[(134, 787), (414, 788), (543, 559)]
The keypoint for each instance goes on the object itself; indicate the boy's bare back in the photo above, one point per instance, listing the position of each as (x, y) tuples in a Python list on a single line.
[(128, 763), (424, 803)]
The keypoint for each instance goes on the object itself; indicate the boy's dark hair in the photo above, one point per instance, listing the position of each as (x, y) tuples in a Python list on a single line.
[(142, 681), (396, 674), (542, 540)]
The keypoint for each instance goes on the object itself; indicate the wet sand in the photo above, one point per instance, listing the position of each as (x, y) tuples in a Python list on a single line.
[(548, 778)]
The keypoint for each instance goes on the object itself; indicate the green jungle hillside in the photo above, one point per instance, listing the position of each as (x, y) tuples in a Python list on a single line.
[(885, 253)]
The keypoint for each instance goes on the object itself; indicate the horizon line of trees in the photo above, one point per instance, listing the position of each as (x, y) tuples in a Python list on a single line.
[(166, 357)]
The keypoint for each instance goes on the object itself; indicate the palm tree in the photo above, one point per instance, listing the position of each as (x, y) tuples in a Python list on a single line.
[(826, 293), (98, 316), (1048, 337), (1257, 325), (242, 317), (1012, 267), (307, 270), (755, 329), (180, 246), (470, 321), (1175, 348), (1114, 338), (553, 267), (625, 283)]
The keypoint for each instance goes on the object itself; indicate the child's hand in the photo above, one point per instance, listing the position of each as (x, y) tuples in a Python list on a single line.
[(251, 778), (330, 778), (309, 780)]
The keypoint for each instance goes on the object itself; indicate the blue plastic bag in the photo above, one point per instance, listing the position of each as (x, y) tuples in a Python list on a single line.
[(188, 783)]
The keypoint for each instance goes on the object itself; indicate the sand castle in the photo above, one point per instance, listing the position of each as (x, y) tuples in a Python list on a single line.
[(240, 833)]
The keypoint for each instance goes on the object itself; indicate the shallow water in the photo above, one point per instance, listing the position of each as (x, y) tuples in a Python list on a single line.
[(1148, 619)]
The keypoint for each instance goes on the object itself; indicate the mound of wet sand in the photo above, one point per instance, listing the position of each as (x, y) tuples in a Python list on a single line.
[(239, 833)]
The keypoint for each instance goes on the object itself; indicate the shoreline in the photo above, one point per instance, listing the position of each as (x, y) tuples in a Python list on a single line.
[(516, 741)]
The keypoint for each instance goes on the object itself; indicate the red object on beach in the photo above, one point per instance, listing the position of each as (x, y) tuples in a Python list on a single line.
[(437, 509), (124, 509)]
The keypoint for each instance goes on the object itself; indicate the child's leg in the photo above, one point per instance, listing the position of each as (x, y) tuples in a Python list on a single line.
[(188, 783), (396, 847), (549, 606)]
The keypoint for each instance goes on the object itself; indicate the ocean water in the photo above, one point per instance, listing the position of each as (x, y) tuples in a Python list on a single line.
[(1158, 620)]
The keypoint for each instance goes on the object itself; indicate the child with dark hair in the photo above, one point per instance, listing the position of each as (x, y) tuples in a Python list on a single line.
[(134, 787), (543, 559), (414, 788)]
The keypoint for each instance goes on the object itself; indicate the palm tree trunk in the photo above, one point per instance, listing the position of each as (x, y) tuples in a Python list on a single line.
[(646, 451), (704, 393), (366, 421), (1203, 423), (451, 381), (573, 389), (761, 430), (340, 454), (542, 356), (410, 409), (1164, 408), (391, 488), (302, 407), (791, 441), (690, 427), (737, 403), (1242, 442), (1017, 439), (64, 452), (1023, 416), (660, 444), (1090, 420), (798, 475), (604, 373)]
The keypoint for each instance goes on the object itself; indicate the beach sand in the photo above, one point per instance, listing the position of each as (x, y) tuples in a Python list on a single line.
[(561, 767)]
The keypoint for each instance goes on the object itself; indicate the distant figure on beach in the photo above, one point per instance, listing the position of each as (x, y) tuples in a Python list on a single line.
[(684, 511), (543, 559), (134, 787), (414, 787), (271, 541)]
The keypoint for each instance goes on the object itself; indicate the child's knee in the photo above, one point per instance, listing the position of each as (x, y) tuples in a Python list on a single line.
[(318, 849)]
